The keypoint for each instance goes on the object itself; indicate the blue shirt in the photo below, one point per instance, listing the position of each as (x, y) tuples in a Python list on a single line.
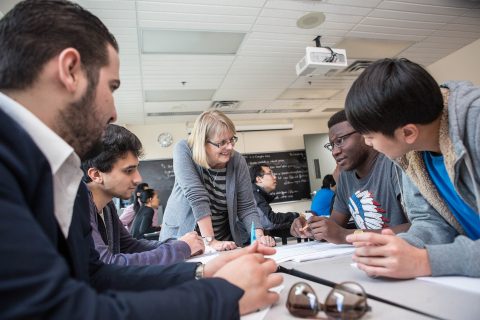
[(468, 218), (322, 202)]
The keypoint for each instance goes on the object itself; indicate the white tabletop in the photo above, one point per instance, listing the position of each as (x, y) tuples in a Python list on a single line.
[(432, 298), (379, 310)]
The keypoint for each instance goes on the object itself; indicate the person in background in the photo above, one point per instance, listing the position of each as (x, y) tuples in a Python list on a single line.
[(142, 223), (369, 189), (264, 183), (114, 173), (322, 203), (212, 187), (128, 213), (433, 134), (58, 71)]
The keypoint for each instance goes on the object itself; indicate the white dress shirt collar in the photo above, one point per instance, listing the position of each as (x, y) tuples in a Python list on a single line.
[(64, 162)]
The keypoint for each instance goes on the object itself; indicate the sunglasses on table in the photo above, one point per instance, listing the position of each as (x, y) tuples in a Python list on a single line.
[(346, 301)]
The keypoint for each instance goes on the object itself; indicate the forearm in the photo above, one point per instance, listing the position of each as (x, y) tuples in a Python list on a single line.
[(281, 217), (165, 254), (205, 226)]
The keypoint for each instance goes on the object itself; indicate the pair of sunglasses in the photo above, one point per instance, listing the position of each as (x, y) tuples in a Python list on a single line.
[(347, 300)]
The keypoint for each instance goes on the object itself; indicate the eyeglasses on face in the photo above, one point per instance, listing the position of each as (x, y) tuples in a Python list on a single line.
[(346, 300), (223, 143), (269, 174), (338, 142)]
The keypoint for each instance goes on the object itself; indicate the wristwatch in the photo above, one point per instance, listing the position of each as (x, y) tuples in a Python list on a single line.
[(199, 271), (208, 240)]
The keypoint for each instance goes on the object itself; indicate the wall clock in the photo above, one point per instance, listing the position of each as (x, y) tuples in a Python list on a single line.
[(165, 139)]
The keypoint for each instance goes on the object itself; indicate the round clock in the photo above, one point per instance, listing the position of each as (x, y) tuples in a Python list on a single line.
[(165, 139)]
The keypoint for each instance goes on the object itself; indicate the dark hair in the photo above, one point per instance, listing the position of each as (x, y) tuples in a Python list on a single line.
[(338, 117), (136, 195), (35, 31), (257, 171), (145, 195), (328, 182), (116, 142), (391, 93)]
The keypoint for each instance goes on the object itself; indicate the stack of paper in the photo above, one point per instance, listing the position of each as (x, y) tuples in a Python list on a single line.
[(311, 251)]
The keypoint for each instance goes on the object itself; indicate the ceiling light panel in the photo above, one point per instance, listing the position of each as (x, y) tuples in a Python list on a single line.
[(410, 16), (420, 8), (190, 42), (307, 6), (286, 110), (178, 95), (219, 16), (243, 94), (290, 94), (176, 106), (373, 48), (297, 104)]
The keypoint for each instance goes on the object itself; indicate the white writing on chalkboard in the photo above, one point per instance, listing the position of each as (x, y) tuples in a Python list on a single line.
[(291, 170), (290, 167)]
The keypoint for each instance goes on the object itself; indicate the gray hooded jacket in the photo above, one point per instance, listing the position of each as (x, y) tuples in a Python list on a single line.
[(434, 227)]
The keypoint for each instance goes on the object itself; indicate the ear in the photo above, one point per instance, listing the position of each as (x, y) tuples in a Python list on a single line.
[(95, 175), (409, 133), (70, 69), (258, 179)]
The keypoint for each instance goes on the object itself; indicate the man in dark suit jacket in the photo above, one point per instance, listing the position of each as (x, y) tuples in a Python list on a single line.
[(58, 71)]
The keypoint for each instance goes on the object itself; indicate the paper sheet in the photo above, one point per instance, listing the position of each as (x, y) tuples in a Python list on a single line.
[(311, 251), (259, 315), (305, 251), (209, 254)]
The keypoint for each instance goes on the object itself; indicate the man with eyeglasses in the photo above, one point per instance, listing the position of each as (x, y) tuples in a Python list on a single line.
[(369, 189), (264, 184)]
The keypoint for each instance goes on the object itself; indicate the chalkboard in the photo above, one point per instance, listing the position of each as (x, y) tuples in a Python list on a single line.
[(159, 176), (291, 170)]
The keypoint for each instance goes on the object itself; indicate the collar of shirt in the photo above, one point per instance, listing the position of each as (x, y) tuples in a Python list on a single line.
[(64, 162)]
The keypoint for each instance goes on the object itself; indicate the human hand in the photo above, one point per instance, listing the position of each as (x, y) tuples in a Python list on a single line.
[(222, 245), (386, 255), (195, 243), (324, 228), (299, 228), (223, 258), (267, 241), (256, 276)]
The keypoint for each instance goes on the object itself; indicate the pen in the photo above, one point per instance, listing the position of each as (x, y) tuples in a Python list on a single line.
[(253, 236)]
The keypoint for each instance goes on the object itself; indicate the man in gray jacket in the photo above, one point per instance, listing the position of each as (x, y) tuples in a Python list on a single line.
[(114, 173), (433, 135)]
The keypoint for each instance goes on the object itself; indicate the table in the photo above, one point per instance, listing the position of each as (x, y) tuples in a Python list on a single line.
[(379, 310), (431, 298)]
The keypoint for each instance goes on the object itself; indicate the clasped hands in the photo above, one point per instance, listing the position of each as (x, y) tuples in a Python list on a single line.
[(230, 245), (319, 228), (250, 270)]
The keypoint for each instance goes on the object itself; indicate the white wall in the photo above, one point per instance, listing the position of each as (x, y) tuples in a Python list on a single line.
[(463, 64), (249, 142)]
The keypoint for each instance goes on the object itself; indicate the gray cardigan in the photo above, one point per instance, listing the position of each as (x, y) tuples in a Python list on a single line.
[(189, 200), (434, 227)]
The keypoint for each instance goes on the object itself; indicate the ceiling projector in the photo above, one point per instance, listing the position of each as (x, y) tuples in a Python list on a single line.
[(321, 60)]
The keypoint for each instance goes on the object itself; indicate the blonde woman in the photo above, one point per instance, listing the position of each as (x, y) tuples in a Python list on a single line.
[(212, 187)]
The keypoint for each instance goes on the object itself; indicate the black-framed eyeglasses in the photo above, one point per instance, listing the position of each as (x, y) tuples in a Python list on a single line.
[(223, 143), (338, 142), (346, 300)]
